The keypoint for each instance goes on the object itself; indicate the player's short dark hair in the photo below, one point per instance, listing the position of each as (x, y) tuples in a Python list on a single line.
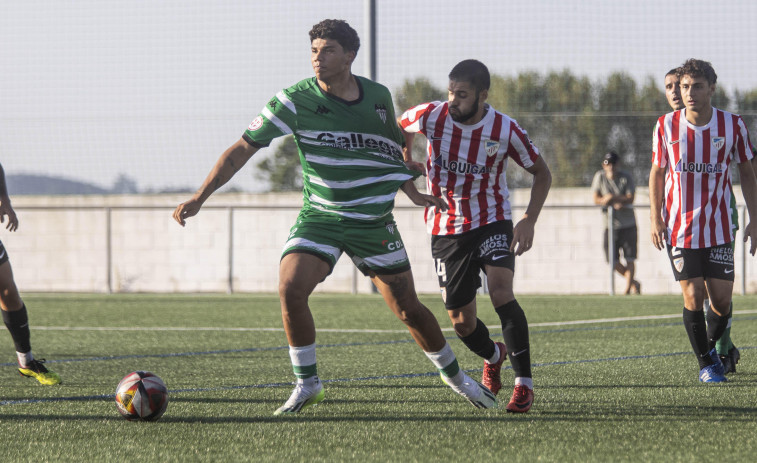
[(339, 30), (672, 72), (698, 68), (473, 71)]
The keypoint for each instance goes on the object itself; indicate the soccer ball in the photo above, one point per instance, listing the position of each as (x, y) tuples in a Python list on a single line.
[(141, 396)]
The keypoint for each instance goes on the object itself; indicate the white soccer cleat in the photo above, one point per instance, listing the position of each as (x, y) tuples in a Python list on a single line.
[(302, 396), (474, 392)]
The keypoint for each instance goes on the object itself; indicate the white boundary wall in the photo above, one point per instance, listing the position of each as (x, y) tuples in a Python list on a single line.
[(62, 245)]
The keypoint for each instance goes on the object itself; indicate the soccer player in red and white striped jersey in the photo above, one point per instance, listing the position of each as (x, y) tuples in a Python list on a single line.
[(469, 145), (691, 210)]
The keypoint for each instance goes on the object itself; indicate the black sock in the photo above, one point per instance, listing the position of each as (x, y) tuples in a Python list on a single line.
[(17, 323), (479, 341), (515, 332), (697, 331), (716, 326)]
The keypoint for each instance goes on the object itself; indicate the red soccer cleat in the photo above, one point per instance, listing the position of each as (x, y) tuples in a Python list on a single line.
[(491, 376), (521, 400)]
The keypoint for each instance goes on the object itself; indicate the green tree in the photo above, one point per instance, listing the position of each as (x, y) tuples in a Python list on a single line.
[(415, 92), (283, 170), (746, 101)]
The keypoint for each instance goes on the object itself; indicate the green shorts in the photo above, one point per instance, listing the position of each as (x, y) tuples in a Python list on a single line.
[(375, 248)]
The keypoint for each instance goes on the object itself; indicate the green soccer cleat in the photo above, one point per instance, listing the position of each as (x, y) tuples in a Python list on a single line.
[(301, 397), (37, 370)]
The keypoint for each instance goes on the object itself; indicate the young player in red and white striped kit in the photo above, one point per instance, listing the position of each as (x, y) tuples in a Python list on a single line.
[(469, 144), (691, 209)]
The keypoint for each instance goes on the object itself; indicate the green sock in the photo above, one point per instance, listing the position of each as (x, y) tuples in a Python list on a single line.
[(724, 344)]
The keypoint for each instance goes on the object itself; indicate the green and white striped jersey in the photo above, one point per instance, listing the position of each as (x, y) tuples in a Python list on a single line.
[(351, 152)]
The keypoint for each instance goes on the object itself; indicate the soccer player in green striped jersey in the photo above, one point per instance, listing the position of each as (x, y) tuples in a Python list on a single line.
[(350, 149)]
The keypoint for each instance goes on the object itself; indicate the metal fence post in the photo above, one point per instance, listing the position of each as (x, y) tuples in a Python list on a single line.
[(230, 287), (611, 249), (109, 250), (743, 252)]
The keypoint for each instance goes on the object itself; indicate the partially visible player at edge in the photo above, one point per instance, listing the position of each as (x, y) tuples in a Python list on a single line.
[(724, 346), (691, 209), (351, 154), (13, 308), (469, 144)]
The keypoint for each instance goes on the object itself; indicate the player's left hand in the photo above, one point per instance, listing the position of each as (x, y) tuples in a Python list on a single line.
[(751, 232), (523, 237), (416, 166), (7, 209)]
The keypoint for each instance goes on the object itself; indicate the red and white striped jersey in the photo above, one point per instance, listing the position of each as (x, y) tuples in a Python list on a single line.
[(697, 199), (466, 165)]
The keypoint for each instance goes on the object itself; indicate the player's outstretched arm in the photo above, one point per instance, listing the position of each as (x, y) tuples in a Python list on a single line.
[(657, 226), (227, 165), (420, 199), (749, 190), (407, 150), (5, 205), (523, 232)]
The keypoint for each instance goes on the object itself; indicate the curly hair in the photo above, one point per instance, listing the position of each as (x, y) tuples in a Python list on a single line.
[(673, 72), (339, 30), (698, 68), (472, 71)]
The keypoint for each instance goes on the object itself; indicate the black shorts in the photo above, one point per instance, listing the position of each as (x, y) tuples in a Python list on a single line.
[(625, 239), (3, 254), (714, 262), (459, 259)]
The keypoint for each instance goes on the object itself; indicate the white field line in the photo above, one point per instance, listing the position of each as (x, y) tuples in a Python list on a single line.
[(339, 330)]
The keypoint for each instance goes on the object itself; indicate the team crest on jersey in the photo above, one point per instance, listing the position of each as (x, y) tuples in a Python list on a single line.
[(256, 124), (491, 147), (390, 228), (718, 142), (381, 111)]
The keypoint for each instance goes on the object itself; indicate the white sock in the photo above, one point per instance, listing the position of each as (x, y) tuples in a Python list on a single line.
[(24, 359), (523, 381), (495, 357), (446, 362), (303, 363)]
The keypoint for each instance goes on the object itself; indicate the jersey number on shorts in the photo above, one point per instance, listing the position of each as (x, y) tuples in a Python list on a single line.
[(441, 269)]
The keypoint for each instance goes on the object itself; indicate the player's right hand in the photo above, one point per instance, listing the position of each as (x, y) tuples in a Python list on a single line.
[(186, 210), (6, 209), (658, 233)]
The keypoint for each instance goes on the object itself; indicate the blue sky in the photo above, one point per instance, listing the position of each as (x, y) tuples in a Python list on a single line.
[(157, 90)]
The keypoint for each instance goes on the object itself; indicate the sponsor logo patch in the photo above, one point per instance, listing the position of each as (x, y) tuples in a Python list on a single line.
[(495, 243), (699, 167), (256, 124), (461, 167), (355, 141), (721, 255)]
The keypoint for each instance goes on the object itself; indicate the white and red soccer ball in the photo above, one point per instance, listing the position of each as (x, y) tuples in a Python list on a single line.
[(141, 396)]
